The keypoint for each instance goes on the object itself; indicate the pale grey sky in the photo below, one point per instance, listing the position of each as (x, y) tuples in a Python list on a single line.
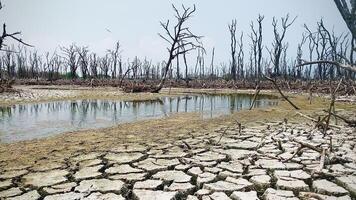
[(49, 23)]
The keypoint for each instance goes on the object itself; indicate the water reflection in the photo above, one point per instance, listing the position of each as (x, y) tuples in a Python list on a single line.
[(28, 121)]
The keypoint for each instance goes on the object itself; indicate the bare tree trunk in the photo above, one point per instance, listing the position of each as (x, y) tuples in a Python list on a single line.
[(232, 29)]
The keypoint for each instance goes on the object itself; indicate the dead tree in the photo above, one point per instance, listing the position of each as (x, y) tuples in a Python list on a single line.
[(84, 61), (212, 63), (49, 66), (300, 54), (186, 69), (34, 65), (200, 62), (256, 46), (240, 58), (13, 36), (311, 47), (278, 48), (277, 44), (180, 38), (232, 30), (5, 84), (105, 66), (259, 45), (94, 63), (71, 58), (56, 65), (114, 54), (21, 59), (349, 15)]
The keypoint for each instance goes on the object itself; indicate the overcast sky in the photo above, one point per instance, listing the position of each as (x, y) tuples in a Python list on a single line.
[(46, 24)]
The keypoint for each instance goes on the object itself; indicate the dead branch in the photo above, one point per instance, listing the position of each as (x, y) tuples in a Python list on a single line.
[(332, 105), (349, 67), (257, 91), (280, 92), (316, 121), (307, 145)]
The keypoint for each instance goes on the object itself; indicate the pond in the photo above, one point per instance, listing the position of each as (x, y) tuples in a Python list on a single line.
[(36, 120)]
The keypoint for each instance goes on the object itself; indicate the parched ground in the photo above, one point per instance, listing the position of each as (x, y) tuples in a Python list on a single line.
[(276, 155)]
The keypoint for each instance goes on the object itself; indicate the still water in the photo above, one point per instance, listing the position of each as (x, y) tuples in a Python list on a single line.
[(29, 121)]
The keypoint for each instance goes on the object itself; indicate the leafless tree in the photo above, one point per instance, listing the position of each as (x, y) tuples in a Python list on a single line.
[(13, 36), (21, 59), (52, 65), (180, 38), (240, 58), (259, 45), (232, 29), (300, 54), (147, 68), (277, 45), (9, 62), (348, 12), (186, 68), (212, 63), (83, 61), (34, 64), (94, 63), (115, 57), (105, 66), (71, 57)]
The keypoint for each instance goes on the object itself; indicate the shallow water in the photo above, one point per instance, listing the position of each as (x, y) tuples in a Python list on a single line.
[(30, 121)]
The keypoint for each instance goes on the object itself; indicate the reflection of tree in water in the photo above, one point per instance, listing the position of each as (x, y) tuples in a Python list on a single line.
[(178, 101), (86, 113), (73, 111), (195, 103), (5, 112)]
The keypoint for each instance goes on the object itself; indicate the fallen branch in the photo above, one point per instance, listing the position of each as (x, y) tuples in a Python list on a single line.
[(304, 144), (351, 68), (280, 92), (294, 154), (316, 121)]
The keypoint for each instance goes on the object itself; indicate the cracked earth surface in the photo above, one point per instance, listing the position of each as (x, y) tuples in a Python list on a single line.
[(256, 163)]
